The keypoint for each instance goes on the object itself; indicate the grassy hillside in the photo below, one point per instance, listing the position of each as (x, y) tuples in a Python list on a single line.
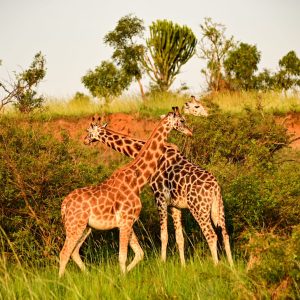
[(240, 144)]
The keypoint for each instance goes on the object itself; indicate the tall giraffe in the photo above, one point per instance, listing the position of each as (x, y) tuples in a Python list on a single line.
[(178, 183), (115, 202)]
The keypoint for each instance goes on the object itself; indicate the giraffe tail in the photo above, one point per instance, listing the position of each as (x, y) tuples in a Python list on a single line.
[(218, 218), (63, 210)]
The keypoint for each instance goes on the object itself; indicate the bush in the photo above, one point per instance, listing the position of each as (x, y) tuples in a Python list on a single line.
[(274, 262), (251, 137), (36, 172)]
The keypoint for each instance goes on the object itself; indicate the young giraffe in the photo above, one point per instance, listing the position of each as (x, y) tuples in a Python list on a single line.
[(115, 202), (178, 183)]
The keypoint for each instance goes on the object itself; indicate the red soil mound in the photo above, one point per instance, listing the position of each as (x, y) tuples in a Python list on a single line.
[(141, 128)]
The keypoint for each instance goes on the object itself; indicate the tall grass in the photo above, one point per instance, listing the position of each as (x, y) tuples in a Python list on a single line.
[(152, 279), (272, 102), (159, 103)]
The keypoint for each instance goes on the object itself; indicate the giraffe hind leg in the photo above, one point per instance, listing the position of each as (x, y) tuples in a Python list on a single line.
[(208, 231), (138, 251), (125, 233), (163, 219), (75, 255), (70, 243)]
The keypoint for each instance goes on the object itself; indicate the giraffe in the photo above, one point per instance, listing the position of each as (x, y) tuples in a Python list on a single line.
[(177, 183), (194, 107), (115, 202)]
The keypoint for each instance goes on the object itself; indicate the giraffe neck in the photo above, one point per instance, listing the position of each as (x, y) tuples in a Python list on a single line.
[(121, 142), (145, 163)]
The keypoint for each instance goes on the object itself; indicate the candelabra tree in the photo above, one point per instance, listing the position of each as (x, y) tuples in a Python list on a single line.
[(169, 47)]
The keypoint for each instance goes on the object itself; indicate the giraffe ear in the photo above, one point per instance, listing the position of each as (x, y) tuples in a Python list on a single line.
[(175, 110), (162, 116), (104, 125)]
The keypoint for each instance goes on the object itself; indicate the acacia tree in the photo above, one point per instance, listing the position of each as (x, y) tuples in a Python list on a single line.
[(213, 47), (127, 52), (289, 74), (240, 65), (106, 81), (21, 92), (169, 47)]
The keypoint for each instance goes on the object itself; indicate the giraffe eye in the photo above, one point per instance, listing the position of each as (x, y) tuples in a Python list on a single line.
[(197, 106)]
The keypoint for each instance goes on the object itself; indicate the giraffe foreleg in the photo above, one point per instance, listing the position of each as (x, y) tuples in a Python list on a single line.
[(176, 215), (138, 251)]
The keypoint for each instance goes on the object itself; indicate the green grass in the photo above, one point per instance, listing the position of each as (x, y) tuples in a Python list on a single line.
[(158, 104), (271, 102), (151, 279)]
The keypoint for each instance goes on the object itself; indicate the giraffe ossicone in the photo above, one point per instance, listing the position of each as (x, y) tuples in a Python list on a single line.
[(115, 202), (177, 183)]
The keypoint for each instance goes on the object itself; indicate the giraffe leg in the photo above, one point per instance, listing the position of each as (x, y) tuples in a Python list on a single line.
[(176, 215), (75, 255), (209, 233), (73, 237), (138, 251), (125, 232), (66, 252), (163, 216), (227, 245)]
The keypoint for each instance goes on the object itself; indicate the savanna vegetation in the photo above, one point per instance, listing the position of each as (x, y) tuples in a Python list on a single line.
[(239, 142), (246, 150)]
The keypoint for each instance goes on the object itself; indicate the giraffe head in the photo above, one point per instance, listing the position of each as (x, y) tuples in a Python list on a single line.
[(195, 108), (94, 131), (177, 121)]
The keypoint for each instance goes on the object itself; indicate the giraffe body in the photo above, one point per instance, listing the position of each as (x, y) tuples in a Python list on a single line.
[(115, 202), (177, 183)]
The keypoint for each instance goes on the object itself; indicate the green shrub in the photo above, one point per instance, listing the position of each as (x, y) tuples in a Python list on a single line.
[(36, 172), (274, 262), (252, 137)]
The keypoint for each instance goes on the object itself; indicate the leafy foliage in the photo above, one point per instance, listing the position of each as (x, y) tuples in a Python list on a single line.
[(21, 92), (106, 81), (274, 262), (240, 65), (289, 74), (170, 46), (213, 47), (252, 137), (36, 171), (128, 53)]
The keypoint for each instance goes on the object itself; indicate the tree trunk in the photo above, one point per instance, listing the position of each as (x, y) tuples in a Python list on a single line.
[(141, 89)]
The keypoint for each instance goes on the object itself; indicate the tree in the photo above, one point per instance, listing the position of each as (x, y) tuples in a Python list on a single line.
[(289, 73), (240, 65), (21, 92), (169, 47), (265, 81), (106, 81), (127, 53), (214, 47)]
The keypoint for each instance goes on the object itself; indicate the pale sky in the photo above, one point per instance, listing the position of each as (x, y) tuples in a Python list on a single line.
[(70, 34)]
